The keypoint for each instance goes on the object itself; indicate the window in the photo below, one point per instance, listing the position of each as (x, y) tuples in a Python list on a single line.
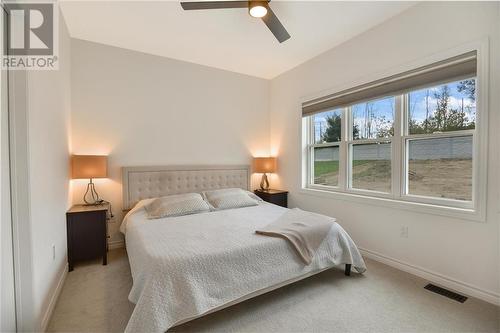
[(325, 151), (439, 140), (416, 142), (441, 167), (371, 131)]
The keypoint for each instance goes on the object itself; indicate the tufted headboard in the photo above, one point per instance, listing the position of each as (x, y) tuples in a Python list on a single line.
[(156, 181)]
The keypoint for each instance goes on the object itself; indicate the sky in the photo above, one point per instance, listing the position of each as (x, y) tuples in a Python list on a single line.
[(417, 102), (384, 109), (381, 115)]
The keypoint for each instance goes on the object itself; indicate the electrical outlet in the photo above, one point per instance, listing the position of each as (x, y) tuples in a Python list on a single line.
[(404, 231), (53, 252)]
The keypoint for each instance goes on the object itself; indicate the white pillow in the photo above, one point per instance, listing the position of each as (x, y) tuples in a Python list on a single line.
[(176, 205), (253, 196), (229, 198), (137, 207)]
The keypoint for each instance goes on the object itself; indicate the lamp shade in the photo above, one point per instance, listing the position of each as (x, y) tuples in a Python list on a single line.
[(89, 166), (264, 164)]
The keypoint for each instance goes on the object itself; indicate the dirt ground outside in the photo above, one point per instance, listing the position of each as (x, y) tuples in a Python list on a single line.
[(442, 178)]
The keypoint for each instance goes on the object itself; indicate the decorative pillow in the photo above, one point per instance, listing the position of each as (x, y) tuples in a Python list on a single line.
[(176, 205), (229, 198)]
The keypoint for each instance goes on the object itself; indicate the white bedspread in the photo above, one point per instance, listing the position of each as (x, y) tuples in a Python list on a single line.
[(183, 267)]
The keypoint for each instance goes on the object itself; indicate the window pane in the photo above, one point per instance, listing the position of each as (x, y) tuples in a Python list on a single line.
[(371, 167), (441, 167), (326, 166), (327, 127), (443, 108), (373, 119)]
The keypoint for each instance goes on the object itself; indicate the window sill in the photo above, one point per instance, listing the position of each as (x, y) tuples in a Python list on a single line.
[(425, 208)]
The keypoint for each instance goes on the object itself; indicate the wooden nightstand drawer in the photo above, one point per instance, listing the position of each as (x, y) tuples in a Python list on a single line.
[(277, 197), (87, 233)]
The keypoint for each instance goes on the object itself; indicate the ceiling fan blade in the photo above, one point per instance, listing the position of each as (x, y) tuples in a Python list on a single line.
[(190, 5), (272, 22)]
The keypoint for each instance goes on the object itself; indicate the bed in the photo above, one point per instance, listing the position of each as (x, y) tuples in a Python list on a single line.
[(188, 266)]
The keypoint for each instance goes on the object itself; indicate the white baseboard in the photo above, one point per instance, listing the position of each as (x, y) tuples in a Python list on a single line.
[(53, 300), (116, 245), (445, 281)]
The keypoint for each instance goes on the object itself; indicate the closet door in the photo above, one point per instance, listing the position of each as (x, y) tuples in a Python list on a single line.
[(7, 290)]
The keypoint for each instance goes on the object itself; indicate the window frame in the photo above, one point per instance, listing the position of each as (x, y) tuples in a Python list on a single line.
[(399, 196)]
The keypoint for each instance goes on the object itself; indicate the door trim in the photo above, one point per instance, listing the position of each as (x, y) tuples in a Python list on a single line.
[(20, 199), (8, 306)]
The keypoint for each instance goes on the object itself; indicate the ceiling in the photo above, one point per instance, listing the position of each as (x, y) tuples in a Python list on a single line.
[(228, 39)]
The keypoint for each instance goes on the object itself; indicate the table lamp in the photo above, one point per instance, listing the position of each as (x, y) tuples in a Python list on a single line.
[(264, 165), (89, 166)]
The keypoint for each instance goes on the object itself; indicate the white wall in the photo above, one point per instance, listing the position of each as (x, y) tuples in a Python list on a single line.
[(49, 124), (147, 110), (463, 253)]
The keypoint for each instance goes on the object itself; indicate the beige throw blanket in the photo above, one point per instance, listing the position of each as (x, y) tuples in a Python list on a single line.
[(304, 230)]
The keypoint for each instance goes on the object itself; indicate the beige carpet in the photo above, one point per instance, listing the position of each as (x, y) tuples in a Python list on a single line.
[(94, 299)]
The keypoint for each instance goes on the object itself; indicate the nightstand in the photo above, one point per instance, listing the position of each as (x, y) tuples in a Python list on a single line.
[(277, 197), (87, 231)]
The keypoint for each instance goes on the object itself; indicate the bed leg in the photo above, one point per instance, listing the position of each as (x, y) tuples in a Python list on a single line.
[(347, 271)]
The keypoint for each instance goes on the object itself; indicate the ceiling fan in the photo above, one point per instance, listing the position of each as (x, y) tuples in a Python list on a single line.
[(258, 9)]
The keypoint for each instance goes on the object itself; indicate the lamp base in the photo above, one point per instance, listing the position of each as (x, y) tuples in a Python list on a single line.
[(94, 196), (264, 183)]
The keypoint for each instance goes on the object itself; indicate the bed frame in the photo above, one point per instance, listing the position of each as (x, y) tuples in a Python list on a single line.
[(155, 181)]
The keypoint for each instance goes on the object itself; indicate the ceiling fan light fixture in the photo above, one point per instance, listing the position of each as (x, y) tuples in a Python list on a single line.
[(257, 8)]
